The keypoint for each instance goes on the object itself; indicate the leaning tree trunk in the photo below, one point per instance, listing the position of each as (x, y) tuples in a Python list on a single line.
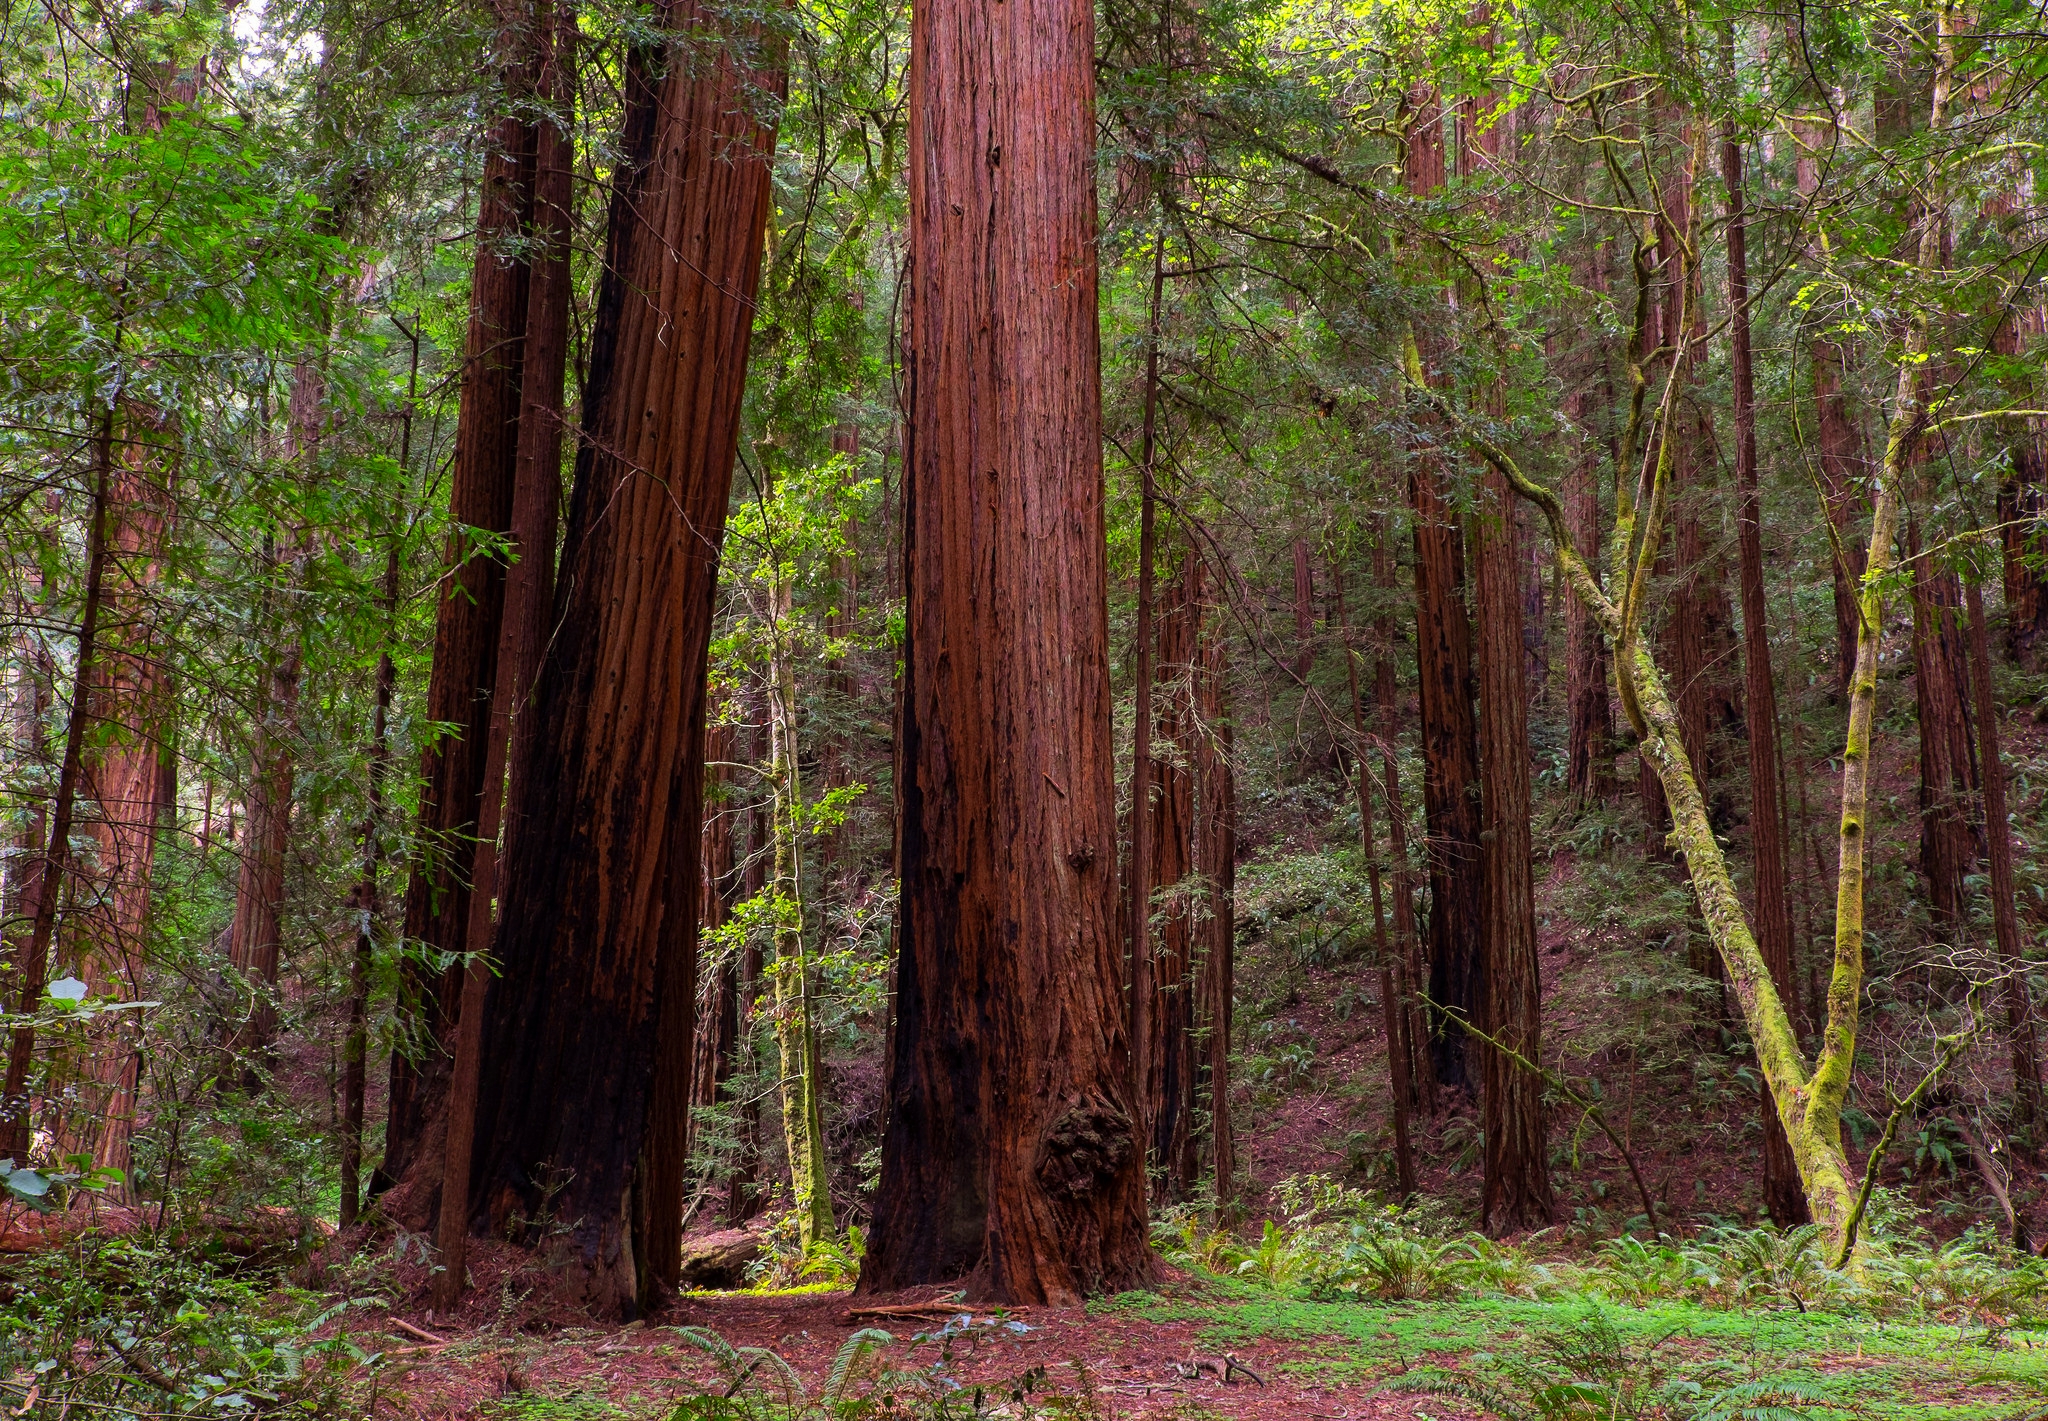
[(1516, 1193), (1445, 690), (1783, 1197), (1012, 1150), (588, 1030), (466, 628)]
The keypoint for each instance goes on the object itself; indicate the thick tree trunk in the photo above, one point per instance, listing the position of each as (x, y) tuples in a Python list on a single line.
[(1216, 857), (588, 1030), (124, 775), (465, 635), (32, 961), (1783, 1197), (1144, 974), (1517, 1185), (2019, 1005), (522, 629), (1013, 1149), (1446, 689)]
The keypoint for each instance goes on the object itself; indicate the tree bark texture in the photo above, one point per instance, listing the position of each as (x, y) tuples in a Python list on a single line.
[(1948, 760), (588, 1030), (1446, 689), (1013, 1150), (1516, 1193), (1412, 970), (466, 628), (1783, 1197)]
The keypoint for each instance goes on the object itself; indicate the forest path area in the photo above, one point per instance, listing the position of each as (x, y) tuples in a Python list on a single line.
[(1312, 1361)]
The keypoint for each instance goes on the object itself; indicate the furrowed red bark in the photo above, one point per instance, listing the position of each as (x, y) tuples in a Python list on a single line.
[(34, 957), (588, 1029), (522, 629), (466, 627), (1013, 1149), (1446, 689), (1772, 914), (1948, 761), (1516, 1193), (2019, 1006)]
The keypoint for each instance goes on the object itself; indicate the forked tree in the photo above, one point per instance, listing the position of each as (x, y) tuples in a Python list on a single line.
[(1012, 1151), (586, 1034), (1809, 1093)]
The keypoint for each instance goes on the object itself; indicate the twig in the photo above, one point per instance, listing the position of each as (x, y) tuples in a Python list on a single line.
[(1563, 1087), (1951, 1047), (420, 1332)]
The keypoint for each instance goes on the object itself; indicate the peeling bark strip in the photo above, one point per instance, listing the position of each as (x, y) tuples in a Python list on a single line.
[(1011, 1149), (588, 1030)]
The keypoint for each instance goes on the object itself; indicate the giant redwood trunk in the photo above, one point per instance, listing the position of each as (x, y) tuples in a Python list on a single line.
[(587, 1033), (1012, 1152), (1446, 688), (1783, 1196), (1516, 1193), (466, 629)]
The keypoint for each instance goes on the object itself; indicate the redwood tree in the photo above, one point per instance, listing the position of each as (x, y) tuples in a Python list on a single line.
[(1012, 1151), (587, 1032)]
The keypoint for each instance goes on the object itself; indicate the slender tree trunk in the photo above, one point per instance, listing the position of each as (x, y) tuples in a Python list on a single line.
[(33, 961), (1304, 609), (466, 626), (1948, 761), (1144, 1008), (718, 1022), (1410, 969), (796, 1027), (1401, 1092), (1172, 859), (588, 1030), (1013, 1149), (522, 630), (744, 1197), (356, 1048), (1517, 1186), (1783, 1197), (2019, 1005), (1216, 857)]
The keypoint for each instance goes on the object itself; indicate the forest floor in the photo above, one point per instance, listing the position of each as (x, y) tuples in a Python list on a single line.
[(1313, 1361)]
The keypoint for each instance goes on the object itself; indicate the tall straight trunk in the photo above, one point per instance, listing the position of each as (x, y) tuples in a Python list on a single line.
[(1447, 688), (800, 1074), (2019, 1005), (744, 1196), (124, 771), (1216, 857), (588, 1029), (1172, 859), (1410, 968), (718, 1022), (1948, 760), (522, 628), (466, 624), (356, 1046), (1400, 1094), (1144, 1000), (1013, 1149), (1772, 912), (32, 961), (1589, 714), (256, 936), (2023, 504), (1304, 608), (34, 672), (1517, 1192)]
